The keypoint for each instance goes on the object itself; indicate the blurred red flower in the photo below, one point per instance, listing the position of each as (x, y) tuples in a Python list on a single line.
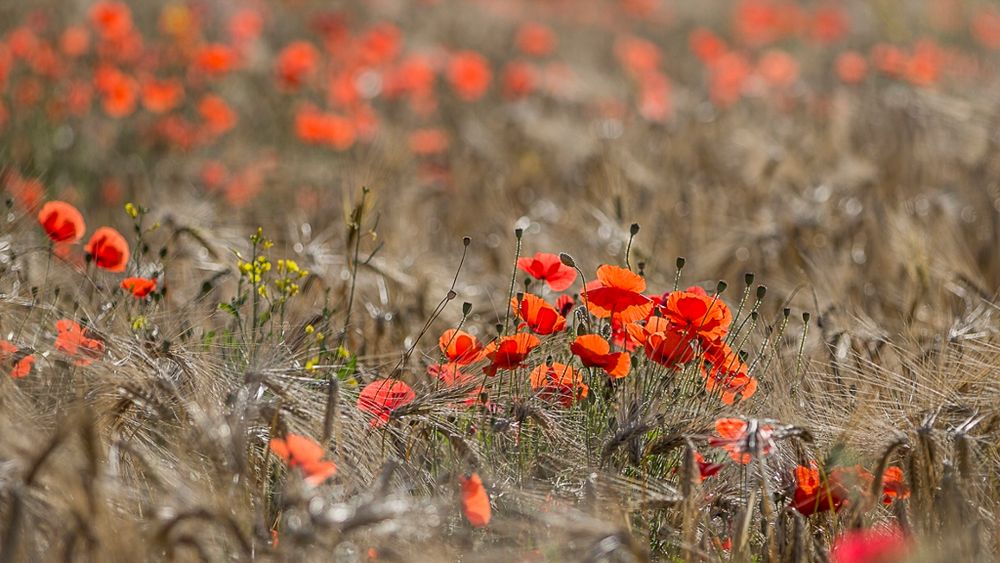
[(382, 396), (306, 454), (108, 249), (469, 75), (62, 222)]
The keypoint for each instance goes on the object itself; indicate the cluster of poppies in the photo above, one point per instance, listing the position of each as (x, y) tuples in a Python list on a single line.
[(674, 330)]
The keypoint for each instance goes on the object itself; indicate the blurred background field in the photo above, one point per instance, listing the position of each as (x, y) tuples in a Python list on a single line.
[(845, 153)]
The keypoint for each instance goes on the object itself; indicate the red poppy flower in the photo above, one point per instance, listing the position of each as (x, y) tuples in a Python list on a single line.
[(108, 249), (74, 41), (565, 305), (382, 396), (549, 268), (469, 74), (743, 440), (140, 287), (985, 26), (851, 67), (879, 545), (662, 342), (617, 293), (460, 347), (894, 485), (161, 96), (217, 114), (449, 373), (728, 77), (112, 20), (558, 383), (538, 315), (696, 313), (215, 59), (20, 364), (509, 351), (728, 375), (119, 91), (74, 343), (595, 351), (305, 453), (705, 468), (519, 80), (829, 24), (535, 39), (315, 127), (637, 55), (296, 64), (843, 485), (706, 45), (814, 494), (475, 501), (62, 222), (778, 68)]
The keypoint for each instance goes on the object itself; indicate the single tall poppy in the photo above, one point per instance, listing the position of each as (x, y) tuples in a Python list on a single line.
[(382, 396), (617, 293), (549, 268), (62, 222), (108, 249)]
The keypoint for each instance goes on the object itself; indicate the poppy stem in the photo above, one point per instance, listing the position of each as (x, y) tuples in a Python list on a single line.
[(513, 277)]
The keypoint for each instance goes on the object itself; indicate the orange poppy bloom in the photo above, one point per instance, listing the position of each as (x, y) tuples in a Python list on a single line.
[(217, 114), (215, 59), (558, 383), (662, 342), (637, 55), (519, 80), (535, 40), (829, 24), (72, 341), (475, 501), (728, 375), (112, 20), (894, 485), (139, 287), (778, 68), (595, 351), (161, 96), (509, 351), (449, 373), (108, 249), (74, 41), (617, 293), (743, 440), (696, 313), (62, 222), (549, 268), (305, 453), (119, 92), (728, 77), (843, 485), (469, 74), (315, 127), (382, 396), (296, 64), (20, 364), (460, 347), (538, 315), (706, 45), (985, 27), (851, 67)]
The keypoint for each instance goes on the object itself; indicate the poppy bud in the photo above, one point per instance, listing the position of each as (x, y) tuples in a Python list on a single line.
[(451, 294), (518, 232), (761, 290), (567, 259), (634, 229), (748, 278), (466, 241), (786, 311), (805, 317), (466, 308), (680, 262), (721, 286)]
